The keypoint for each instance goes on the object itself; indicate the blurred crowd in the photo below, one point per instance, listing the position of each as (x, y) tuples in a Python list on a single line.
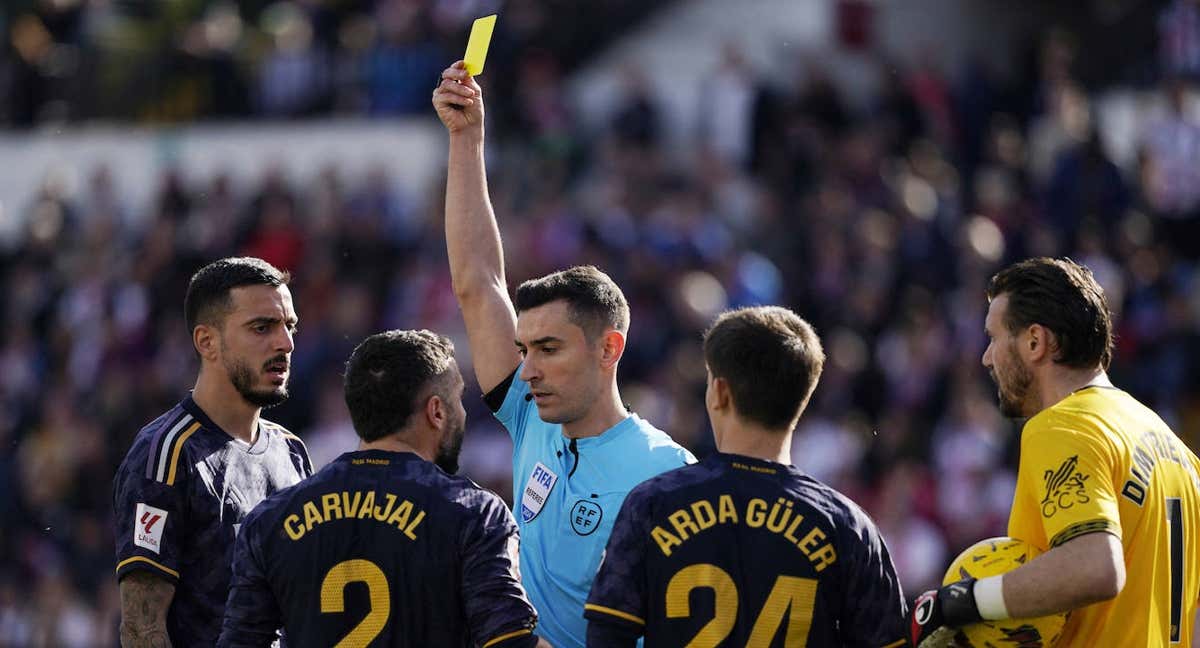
[(67, 61), (879, 224)]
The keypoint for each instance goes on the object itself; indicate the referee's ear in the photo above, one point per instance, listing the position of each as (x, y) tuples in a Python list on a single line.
[(612, 347)]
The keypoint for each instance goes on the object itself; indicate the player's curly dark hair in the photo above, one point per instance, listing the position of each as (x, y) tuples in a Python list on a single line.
[(1064, 297), (390, 374), (771, 359), (208, 300), (595, 302)]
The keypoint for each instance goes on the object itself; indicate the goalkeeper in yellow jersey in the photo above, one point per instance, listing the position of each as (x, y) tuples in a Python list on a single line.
[(1104, 487)]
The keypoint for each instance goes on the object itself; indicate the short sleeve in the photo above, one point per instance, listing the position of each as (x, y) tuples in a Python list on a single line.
[(618, 595), (497, 608), (252, 615), (1066, 473), (150, 515), (873, 600), (516, 409)]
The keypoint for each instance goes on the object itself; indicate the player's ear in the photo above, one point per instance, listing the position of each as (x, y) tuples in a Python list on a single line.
[(435, 412), (207, 341), (612, 346), (720, 395), (1039, 343)]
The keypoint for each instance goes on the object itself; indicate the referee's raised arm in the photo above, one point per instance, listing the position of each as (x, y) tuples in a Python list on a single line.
[(472, 236)]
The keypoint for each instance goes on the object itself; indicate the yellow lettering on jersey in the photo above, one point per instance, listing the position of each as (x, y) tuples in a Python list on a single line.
[(790, 534), (400, 516), (781, 514), (823, 557), (345, 505), (704, 514), (778, 517), (683, 524), (413, 526), (756, 513), (810, 541), (368, 506), (726, 510), (383, 514), (312, 516), (291, 524), (351, 506), (331, 504), (664, 539)]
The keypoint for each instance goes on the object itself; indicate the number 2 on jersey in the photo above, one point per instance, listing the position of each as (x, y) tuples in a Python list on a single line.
[(333, 591), (789, 593)]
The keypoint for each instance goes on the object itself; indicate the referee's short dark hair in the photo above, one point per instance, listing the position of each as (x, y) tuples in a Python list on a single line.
[(771, 359), (391, 374), (595, 302), (1064, 297), (208, 300)]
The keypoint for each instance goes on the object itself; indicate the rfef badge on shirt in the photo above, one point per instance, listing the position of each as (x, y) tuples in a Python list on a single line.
[(537, 489)]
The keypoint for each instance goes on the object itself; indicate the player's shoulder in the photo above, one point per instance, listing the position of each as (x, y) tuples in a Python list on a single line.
[(464, 493), (158, 446), (1093, 413), (682, 479)]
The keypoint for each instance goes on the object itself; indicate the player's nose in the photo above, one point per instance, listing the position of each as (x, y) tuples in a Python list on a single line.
[(529, 371), (284, 343)]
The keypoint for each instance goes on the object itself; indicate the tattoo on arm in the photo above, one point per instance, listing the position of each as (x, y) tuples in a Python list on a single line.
[(144, 602)]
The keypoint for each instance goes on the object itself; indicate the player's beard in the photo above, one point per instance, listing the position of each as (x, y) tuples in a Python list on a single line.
[(1014, 387), (242, 378), (450, 447)]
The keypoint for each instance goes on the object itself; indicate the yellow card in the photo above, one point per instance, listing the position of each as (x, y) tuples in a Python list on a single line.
[(477, 44)]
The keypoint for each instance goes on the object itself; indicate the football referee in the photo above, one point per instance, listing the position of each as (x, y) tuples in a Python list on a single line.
[(577, 452)]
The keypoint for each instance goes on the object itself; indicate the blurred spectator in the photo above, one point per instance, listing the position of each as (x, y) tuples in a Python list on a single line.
[(1179, 39)]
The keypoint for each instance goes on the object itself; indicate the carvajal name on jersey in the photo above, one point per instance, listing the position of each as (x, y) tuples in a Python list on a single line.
[(777, 517), (362, 505), (537, 489)]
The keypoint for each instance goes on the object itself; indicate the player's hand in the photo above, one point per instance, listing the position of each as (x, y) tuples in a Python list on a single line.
[(458, 100), (937, 614)]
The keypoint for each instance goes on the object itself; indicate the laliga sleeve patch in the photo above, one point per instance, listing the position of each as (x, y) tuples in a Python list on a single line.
[(537, 490), (148, 525)]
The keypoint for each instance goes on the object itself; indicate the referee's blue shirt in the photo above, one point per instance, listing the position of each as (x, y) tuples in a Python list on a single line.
[(566, 497)]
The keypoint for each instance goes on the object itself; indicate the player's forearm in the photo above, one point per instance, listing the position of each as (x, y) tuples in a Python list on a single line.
[(472, 235), (145, 599), (1086, 570)]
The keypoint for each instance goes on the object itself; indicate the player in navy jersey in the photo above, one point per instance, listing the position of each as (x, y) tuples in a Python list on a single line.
[(385, 546), (194, 473), (742, 547)]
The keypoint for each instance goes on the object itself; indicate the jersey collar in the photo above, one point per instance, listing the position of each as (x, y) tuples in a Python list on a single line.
[(629, 423), (260, 442)]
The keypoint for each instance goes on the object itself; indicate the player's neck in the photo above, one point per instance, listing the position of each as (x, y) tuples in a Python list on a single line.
[(392, 443), (604, 413), (222, 403), (1060, 383), (752, 440)]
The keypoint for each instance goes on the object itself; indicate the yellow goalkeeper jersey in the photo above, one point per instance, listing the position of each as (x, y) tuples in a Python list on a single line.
[(1100, 461)]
